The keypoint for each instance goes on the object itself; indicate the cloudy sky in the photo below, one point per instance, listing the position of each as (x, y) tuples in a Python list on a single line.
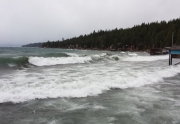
[(31, 21)]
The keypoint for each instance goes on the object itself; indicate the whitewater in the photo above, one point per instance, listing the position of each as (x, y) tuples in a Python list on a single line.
[(58, 86)]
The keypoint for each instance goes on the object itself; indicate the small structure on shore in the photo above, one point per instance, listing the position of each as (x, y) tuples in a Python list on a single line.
[(158, 51), (174, 52), (113, 48)]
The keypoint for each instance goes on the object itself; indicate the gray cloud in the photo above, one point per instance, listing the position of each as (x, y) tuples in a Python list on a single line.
[(28, 21)]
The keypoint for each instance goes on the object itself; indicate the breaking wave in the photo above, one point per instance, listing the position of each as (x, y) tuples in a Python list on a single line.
[(72, 58), (54, 84), (55, 55), (13, 62), (42, 61), (107, 71)]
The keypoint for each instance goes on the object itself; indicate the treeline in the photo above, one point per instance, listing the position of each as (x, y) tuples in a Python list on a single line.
[(33, 45), (139, 37)]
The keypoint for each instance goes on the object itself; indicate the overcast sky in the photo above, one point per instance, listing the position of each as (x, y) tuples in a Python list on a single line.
[(32, 21)]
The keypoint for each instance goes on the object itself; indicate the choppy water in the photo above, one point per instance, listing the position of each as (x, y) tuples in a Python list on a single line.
[(56, 86)]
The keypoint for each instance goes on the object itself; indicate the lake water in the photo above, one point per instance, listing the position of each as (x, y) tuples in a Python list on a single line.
[(57, 86)]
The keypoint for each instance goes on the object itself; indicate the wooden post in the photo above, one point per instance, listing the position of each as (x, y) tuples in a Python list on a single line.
[(169, 59)]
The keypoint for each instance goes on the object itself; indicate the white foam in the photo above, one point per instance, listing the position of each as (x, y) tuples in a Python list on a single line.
[(12, 65), (88, 81), (132, 54), (41, 61), (98, 56), (103, 54), (146, 58)]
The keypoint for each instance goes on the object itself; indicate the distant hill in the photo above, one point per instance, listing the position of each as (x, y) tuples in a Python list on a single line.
[(33, 45)]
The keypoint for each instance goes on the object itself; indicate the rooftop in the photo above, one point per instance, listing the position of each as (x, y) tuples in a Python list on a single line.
[(175, 47)]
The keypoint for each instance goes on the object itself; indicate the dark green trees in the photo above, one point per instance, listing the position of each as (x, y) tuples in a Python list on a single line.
[(139, 37)]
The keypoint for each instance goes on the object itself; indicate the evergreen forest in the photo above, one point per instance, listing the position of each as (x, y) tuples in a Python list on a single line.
[(140, 37)]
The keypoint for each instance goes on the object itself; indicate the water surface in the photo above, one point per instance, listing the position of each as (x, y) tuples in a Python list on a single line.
[(57, 86)]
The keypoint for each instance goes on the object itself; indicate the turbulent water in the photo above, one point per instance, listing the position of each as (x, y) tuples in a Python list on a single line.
[(56, 86)]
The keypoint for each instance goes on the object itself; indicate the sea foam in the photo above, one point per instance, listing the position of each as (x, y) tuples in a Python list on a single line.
[(81, 80), (77, 82), (146, 58), (42, 61)]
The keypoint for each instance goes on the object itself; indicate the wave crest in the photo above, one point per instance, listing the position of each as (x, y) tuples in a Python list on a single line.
[(42, 61), (13, 62)]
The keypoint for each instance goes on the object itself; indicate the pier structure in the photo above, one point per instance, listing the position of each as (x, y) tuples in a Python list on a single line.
[(158, 51), (174, 52)]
